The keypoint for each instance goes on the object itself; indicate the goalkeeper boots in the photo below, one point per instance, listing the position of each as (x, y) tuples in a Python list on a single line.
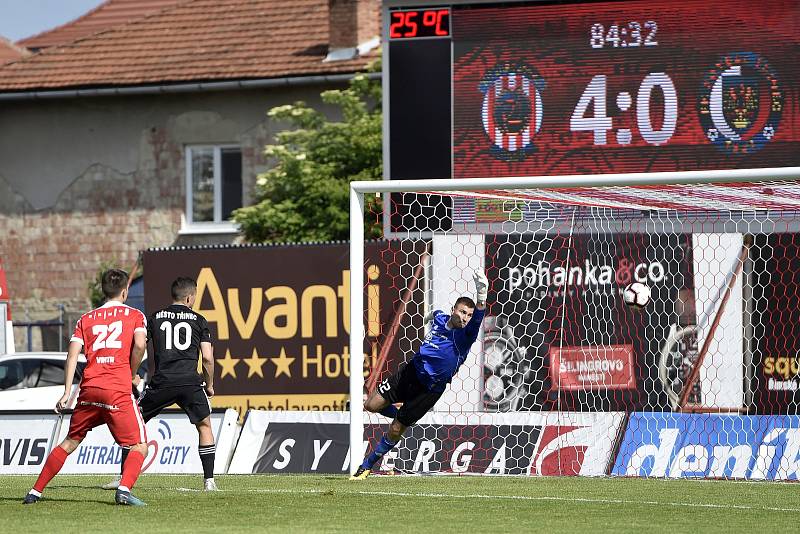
[(360, 474), (126, 498)]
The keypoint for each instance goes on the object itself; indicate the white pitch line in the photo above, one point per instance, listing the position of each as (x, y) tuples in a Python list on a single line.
[(521, 498)]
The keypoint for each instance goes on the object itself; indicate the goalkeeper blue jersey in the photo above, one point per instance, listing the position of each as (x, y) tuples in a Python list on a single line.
[(445, 349)]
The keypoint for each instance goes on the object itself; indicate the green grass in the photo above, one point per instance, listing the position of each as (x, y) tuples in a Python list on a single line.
[(464, 505)]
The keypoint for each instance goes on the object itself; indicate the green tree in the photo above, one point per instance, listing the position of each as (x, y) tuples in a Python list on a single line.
[(95, 286), (305, 196)]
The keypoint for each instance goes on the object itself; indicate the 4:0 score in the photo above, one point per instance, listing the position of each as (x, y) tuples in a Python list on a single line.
[(596, 95), (631, 35)]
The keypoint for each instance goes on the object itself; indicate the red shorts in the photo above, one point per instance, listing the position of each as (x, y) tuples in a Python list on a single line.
[(118, 410)]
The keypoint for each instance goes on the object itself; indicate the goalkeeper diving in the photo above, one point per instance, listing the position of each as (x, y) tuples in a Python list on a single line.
[(420, 383)]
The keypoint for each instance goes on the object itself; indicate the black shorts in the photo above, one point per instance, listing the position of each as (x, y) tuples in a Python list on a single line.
[(192, 400), (405, 387)]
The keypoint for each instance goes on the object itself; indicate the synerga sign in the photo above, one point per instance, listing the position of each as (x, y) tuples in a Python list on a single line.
[(757, 447)]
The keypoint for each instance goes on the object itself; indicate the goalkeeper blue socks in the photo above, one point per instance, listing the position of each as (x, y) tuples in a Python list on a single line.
[(390, 411), (383, 447)]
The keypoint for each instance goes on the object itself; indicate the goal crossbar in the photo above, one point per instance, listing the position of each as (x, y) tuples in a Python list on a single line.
[(778, 174)]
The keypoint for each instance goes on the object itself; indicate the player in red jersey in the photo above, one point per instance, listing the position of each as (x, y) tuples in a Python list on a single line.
[(113, 338)]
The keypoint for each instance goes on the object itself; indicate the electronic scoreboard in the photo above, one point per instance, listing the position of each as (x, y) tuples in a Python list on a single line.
[(552, 88)]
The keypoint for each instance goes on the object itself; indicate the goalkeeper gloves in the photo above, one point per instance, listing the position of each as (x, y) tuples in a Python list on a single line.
[(481, 286)]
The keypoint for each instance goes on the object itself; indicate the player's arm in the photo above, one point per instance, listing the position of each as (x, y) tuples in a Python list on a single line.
[(138, 350), (69, 373), (207, 353), (207, 356), (473, 327), (141, 332)]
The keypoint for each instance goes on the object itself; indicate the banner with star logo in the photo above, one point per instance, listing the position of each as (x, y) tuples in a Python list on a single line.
[(279, 317)]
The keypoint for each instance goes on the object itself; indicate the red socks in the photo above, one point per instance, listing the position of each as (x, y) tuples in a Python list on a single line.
[(54, 463), (131, 469)]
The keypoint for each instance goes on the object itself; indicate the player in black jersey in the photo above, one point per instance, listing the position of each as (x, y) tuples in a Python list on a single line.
[(179, 336)]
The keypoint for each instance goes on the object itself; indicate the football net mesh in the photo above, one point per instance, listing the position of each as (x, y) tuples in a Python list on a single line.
[(562, 362)]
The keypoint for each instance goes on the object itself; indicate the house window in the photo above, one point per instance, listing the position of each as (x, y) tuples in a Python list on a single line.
[(213, 183)]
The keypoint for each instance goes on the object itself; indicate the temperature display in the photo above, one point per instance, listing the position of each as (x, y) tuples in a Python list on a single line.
[(419, 23)]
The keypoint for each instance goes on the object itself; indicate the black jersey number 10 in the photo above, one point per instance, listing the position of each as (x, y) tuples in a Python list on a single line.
[(178, 336)]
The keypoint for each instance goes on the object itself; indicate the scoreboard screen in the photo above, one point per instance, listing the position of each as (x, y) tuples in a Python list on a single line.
[(529, 89)]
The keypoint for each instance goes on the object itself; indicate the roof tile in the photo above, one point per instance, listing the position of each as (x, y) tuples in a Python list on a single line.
[(10, 52), (192, 40), (108, 14)]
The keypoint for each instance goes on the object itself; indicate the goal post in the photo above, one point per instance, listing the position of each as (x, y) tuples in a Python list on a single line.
[(356, 324), (562, 363)]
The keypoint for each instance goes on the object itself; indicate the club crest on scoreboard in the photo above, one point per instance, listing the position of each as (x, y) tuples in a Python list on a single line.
[(512, 109), (741, 103)]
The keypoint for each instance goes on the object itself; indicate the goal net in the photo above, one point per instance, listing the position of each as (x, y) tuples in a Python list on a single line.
[(565, 378)]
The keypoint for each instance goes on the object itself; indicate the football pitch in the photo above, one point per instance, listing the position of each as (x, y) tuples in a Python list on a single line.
[(285, 503)]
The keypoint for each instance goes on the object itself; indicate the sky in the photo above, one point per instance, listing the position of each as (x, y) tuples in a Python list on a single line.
[(24, 18)]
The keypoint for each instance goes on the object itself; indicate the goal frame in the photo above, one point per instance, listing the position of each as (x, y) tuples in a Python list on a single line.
[(358, 189)]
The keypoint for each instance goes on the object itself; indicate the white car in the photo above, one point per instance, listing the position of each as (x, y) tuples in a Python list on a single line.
[(35, 380)]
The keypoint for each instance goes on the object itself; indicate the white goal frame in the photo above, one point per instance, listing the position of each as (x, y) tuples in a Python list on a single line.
[(361, 188)]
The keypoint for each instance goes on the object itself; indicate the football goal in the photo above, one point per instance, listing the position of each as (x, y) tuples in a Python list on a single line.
[(694, 373)]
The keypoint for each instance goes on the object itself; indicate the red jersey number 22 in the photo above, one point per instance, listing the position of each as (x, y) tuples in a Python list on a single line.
[(107, 336)]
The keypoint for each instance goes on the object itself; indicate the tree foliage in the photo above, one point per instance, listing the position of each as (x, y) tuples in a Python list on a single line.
[(305, 196)]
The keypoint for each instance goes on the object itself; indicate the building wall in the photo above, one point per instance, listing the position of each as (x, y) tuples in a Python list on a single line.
[(97, 179)]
